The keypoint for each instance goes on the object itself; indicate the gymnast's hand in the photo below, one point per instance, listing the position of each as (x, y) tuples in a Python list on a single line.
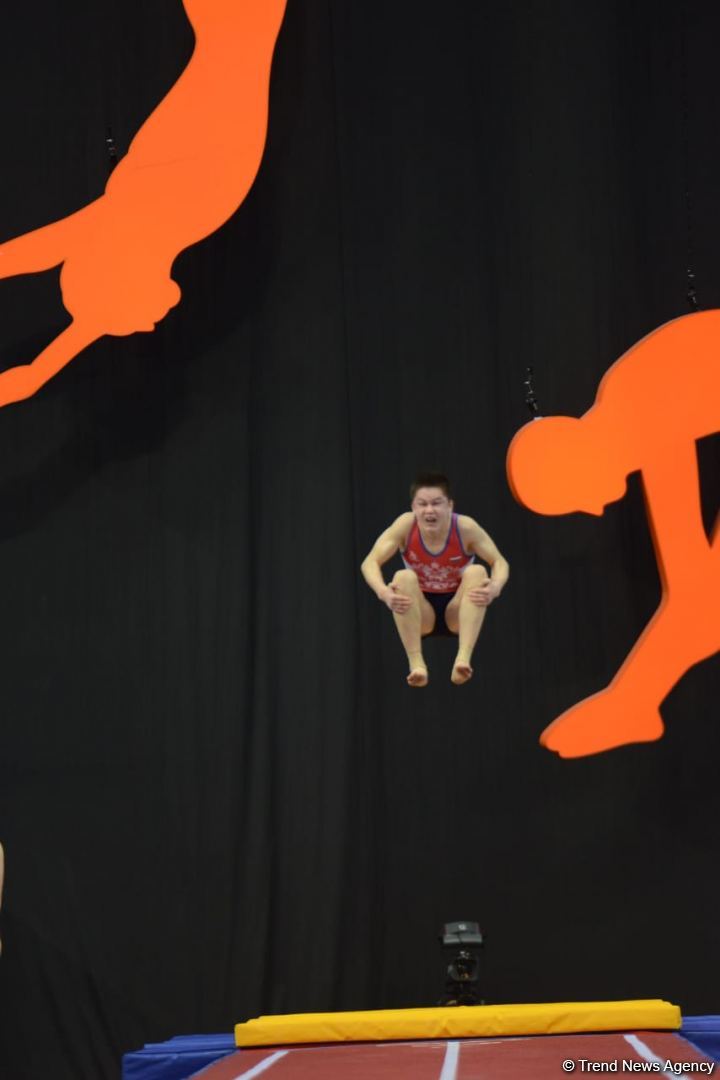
[(396, 601), (483, 595)]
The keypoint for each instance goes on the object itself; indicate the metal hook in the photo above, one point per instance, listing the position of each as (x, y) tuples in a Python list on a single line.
[(111, 149), (530, 399)]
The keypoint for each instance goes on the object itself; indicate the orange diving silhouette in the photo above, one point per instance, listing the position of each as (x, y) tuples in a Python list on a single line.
[(187, 170), (651, 407)]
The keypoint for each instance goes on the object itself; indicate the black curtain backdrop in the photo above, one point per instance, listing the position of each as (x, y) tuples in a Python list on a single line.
[(217, 795)]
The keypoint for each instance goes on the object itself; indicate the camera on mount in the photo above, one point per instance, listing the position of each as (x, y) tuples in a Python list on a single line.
[(465, 940)]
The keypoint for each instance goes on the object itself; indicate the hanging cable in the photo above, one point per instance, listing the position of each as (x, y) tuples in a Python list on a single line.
[(111, 150), (691, 293), (530, 399), (534, 31)]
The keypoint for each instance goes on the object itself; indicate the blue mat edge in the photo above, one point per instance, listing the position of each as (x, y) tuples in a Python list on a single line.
[(183, 1056)]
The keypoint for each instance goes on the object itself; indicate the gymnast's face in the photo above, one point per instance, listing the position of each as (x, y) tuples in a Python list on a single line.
[(432, 509)]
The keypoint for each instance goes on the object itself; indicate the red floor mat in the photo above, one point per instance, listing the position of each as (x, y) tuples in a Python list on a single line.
[(539, 1058)]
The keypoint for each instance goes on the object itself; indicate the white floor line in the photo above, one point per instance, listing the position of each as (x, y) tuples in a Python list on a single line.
[(644, 1051), (266, 1063), (450, 1063)]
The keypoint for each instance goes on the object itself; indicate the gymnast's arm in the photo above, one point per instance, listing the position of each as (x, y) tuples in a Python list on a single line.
[(386, 545), (477, 541)]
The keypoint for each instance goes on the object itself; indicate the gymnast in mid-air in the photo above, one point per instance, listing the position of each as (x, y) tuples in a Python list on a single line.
[(441, 590)]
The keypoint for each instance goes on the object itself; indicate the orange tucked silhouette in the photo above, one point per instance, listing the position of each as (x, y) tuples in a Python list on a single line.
[(187, 170), (651, 406)]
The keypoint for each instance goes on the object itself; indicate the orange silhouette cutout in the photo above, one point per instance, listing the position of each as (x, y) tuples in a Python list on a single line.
[(651, 406), (187, 170)]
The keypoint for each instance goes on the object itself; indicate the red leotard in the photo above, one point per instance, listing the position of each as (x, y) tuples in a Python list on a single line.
[(441, 572)]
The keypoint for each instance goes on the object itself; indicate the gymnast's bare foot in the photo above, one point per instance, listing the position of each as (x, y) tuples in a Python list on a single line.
[(461, 672), (418, 676)]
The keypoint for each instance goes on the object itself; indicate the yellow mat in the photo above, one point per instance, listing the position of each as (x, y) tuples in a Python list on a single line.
[(470, 1021)]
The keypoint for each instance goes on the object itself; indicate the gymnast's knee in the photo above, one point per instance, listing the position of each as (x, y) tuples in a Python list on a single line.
[(475, 575), (406, 581)]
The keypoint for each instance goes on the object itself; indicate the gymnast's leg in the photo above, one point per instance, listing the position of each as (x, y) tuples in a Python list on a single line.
[(464, 616), (413, 623)]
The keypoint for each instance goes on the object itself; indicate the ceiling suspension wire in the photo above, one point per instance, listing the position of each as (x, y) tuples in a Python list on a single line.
[(530, 398), (691, 293)]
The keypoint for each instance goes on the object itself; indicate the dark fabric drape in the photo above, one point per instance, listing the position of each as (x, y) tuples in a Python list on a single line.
[(217, 795)]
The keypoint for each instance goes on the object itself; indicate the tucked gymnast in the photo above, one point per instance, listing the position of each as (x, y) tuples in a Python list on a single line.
[(442, 590)]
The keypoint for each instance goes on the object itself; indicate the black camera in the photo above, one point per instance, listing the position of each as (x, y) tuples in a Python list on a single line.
[(463, 972)]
